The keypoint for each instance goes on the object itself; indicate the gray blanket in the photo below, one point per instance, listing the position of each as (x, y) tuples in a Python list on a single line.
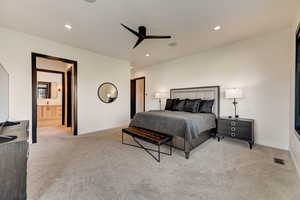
[(182, 124)]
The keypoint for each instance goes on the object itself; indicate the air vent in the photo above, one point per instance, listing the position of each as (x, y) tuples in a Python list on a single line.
[(279, 161), (90, 1)]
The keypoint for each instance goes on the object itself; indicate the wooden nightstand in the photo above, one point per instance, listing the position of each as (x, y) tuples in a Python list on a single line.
[(237, 128)]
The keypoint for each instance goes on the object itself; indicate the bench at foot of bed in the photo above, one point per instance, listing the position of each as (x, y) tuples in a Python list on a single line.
[(156, 137), (151, 137), (187, 155)]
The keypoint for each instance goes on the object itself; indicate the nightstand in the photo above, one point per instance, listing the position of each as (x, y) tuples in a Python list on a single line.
[(237, 128)]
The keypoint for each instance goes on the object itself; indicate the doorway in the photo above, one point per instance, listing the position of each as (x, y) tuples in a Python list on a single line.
[(138, 94), (54, 95), (50, 98)]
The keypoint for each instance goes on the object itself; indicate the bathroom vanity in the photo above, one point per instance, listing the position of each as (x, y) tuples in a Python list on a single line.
[(13, 162)]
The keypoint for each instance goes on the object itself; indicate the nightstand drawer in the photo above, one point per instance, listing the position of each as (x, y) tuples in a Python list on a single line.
[(233, 123), (241, 129), (223, 126), (240, 134)]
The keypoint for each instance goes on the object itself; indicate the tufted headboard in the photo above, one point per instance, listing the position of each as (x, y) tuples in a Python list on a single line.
[(206, 93)]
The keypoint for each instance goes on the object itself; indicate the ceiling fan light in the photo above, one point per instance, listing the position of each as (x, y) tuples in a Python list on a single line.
[(68, 26), (217, 28)]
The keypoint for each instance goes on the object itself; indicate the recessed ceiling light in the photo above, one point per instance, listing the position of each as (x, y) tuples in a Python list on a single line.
[(217, 28), (147, 54), (68, 26)]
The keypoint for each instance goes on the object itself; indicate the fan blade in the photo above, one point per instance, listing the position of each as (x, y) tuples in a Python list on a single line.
[(138, 41), (132, 31), (157, 37)]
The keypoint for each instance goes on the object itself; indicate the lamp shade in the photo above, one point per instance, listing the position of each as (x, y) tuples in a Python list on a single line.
[(160, 95), (157, 95), (233, 93)]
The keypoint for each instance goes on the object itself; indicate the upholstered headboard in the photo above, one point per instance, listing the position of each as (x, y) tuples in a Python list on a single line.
[(206, 93)]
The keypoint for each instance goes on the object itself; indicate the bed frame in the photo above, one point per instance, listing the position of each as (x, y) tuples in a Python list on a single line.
[(206, 93)]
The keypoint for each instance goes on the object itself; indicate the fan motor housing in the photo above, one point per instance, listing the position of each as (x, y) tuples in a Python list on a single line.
[(142, 30)]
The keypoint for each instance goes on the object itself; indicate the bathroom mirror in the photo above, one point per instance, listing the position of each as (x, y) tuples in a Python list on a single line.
[(47, 90), (107, 92)]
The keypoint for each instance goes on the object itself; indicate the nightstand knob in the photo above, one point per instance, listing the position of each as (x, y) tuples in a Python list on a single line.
[(233, 123), (232, 128), (232, 134)]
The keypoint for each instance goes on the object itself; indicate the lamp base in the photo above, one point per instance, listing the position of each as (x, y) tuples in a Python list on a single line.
[(234, 104), (159, 104)]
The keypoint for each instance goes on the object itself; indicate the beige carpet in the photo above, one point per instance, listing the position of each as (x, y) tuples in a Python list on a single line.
[(97, 166)]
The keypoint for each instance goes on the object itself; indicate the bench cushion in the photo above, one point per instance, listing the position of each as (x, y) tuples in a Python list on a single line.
[(147, 135)]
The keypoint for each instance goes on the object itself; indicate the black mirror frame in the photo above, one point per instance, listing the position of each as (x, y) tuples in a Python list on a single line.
[(113, 86)]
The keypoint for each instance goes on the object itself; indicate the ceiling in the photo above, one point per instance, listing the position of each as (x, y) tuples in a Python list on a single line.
[(96, 26)]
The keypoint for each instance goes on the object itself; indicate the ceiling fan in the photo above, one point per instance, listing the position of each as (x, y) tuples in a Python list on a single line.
[(142, 35)]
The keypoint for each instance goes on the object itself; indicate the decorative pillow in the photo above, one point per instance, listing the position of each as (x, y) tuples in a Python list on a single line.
[(169, 104), (178, 105), (174, 105), (192, 105), (206, 106)]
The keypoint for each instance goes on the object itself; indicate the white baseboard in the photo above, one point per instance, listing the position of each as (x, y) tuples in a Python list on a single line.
[(104, 130), (295, 162)]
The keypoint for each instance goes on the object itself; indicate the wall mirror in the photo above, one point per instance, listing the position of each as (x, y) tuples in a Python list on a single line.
[(47, 90), (107, 92)]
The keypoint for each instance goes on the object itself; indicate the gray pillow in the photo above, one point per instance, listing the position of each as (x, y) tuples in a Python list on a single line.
[(192, 105), (206, 106), (170, 103), (179, 105)]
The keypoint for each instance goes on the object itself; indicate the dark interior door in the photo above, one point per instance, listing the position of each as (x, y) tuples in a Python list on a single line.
[(132, 98), (69, 98)]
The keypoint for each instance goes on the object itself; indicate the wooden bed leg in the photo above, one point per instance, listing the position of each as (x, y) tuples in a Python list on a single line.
[(187, 155)]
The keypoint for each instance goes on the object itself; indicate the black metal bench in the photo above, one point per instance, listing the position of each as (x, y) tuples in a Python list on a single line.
[(148, 136)]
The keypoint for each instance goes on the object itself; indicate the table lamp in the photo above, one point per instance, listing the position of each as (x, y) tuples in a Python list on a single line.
[(158, 96), (234, 93)]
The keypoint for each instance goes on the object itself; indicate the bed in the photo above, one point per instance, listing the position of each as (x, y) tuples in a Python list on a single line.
[(189, 129)]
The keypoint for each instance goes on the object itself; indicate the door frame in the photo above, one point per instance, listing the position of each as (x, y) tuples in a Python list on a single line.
[(133, 95), (69, 98), (34, 70)]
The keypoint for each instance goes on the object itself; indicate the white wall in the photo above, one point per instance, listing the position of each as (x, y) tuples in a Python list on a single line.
[(4, 90), (55, 79), (93, 69), (294, 141), (260, 66)]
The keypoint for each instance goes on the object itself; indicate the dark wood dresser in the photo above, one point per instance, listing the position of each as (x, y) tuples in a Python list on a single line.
[(237, 128), (13, 163)]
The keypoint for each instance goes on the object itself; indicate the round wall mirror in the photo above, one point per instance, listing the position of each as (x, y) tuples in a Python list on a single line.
[(107, 92)]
